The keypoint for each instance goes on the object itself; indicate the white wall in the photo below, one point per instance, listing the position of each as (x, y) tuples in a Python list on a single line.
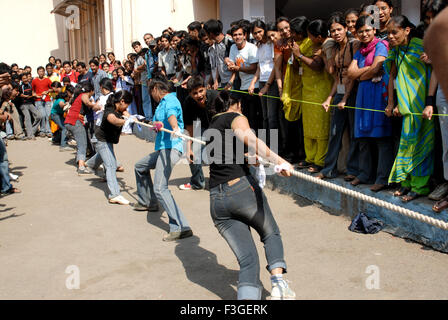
[(32, 35)]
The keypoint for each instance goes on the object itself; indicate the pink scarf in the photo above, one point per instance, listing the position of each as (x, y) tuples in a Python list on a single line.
[(369, 50)]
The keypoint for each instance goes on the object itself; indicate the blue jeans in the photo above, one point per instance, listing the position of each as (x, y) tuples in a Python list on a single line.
[(234, 210), (4, 168), (442, 106), (148, 192), (105, 155), (45, 110), (79, 133), (146, 100), (339, 121), (59, 120)]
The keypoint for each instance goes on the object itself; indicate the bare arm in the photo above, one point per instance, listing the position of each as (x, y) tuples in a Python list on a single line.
[(374, 68), (112, 119)]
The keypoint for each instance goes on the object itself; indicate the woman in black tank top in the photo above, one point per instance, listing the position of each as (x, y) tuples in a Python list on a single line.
[(237, 203)]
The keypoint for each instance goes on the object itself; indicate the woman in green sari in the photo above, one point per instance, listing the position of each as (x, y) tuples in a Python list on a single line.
[(410, 77)]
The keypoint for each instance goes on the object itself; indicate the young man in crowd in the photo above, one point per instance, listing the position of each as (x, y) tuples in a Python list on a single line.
[(218, 53), (244, 62), (204, 48), (97, 76), (28, 109), (68, 72), (53, 76), (193, 29), (197, 119), (143, 71), (84, 74), (41, 87)]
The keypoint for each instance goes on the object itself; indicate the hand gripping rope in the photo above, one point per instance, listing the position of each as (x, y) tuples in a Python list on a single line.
[(355, 194)]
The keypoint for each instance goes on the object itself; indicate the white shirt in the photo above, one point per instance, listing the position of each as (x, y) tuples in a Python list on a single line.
[(245, 56), (167, 59), (98, 115), (265, 55)]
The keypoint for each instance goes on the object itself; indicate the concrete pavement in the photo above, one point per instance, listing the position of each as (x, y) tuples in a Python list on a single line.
[(62, 223)]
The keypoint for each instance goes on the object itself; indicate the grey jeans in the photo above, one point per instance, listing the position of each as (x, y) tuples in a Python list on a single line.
[(162, 162), (79, 133), (235, 210), (29, 110)]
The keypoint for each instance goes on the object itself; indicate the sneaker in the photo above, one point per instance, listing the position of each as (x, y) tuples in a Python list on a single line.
[(119, 200), (176, 235), (62, 149), (13, 177), (11, 137), (42, 135), (84, 170), (72, 143), (282, 291), (185, 186), (49, 135)]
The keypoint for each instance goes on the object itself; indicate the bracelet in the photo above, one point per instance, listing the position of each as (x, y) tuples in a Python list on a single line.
[(300, 57)]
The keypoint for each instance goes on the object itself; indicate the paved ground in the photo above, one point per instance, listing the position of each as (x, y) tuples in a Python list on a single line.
[(62, 220)]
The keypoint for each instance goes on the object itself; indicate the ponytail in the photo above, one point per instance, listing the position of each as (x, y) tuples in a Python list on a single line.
[(81, 88), (223, 102), (117, 96)]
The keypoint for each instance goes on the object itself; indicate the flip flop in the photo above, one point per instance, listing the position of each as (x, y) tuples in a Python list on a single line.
[(441, 205)]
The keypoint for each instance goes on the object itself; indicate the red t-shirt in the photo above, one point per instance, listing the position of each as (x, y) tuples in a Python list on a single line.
[(41, 85), (73, 76)]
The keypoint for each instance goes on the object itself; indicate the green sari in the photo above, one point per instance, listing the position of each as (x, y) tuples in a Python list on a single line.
[(415, 154)]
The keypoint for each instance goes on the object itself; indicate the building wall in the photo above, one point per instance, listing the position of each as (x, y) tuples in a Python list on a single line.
[(131, 19), (32, 33)]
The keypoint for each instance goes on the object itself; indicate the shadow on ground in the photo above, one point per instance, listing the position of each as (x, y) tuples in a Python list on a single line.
[(202, 267)]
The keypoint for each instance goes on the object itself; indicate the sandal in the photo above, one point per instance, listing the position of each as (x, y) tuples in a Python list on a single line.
[(401, 192), (120, 169), (441, 205), (303, 165), (314, 169), (410, 196), (320, 176)]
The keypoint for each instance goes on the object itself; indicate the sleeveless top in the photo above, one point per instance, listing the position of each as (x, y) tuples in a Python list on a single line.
[(73, 112), (223, 152)]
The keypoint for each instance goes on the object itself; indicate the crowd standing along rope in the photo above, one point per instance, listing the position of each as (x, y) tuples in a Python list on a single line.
[(355, 194)]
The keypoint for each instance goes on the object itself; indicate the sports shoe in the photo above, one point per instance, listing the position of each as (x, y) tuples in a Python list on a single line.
[(185, 186), (176, 235), (13, 177), (281, 291), (62, 149), (84, 170), (72, 143), (119, 200)]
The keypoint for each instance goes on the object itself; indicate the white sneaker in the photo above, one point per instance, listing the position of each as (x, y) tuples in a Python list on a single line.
[(185, 186), (13, 177), (119, 200), (281, 291)]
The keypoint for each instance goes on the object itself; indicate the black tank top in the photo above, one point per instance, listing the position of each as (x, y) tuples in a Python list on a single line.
[(225, 153)]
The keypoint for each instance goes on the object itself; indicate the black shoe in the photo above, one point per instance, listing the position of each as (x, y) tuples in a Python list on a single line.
[(176, 235), (139, 207)]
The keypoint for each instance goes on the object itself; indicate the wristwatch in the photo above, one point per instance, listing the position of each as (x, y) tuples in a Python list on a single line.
[(300, 57)]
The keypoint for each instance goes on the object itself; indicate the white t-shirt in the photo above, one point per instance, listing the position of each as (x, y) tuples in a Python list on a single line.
[(265, 56), (245, 56), (98, 115)]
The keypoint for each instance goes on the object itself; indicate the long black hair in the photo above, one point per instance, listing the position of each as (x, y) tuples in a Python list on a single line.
[(259, 24), (117, 96), (81, 88), (299, 25), (223, 102), (318, 28)]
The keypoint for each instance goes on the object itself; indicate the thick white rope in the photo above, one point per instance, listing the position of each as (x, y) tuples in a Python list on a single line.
[(355, 194)]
